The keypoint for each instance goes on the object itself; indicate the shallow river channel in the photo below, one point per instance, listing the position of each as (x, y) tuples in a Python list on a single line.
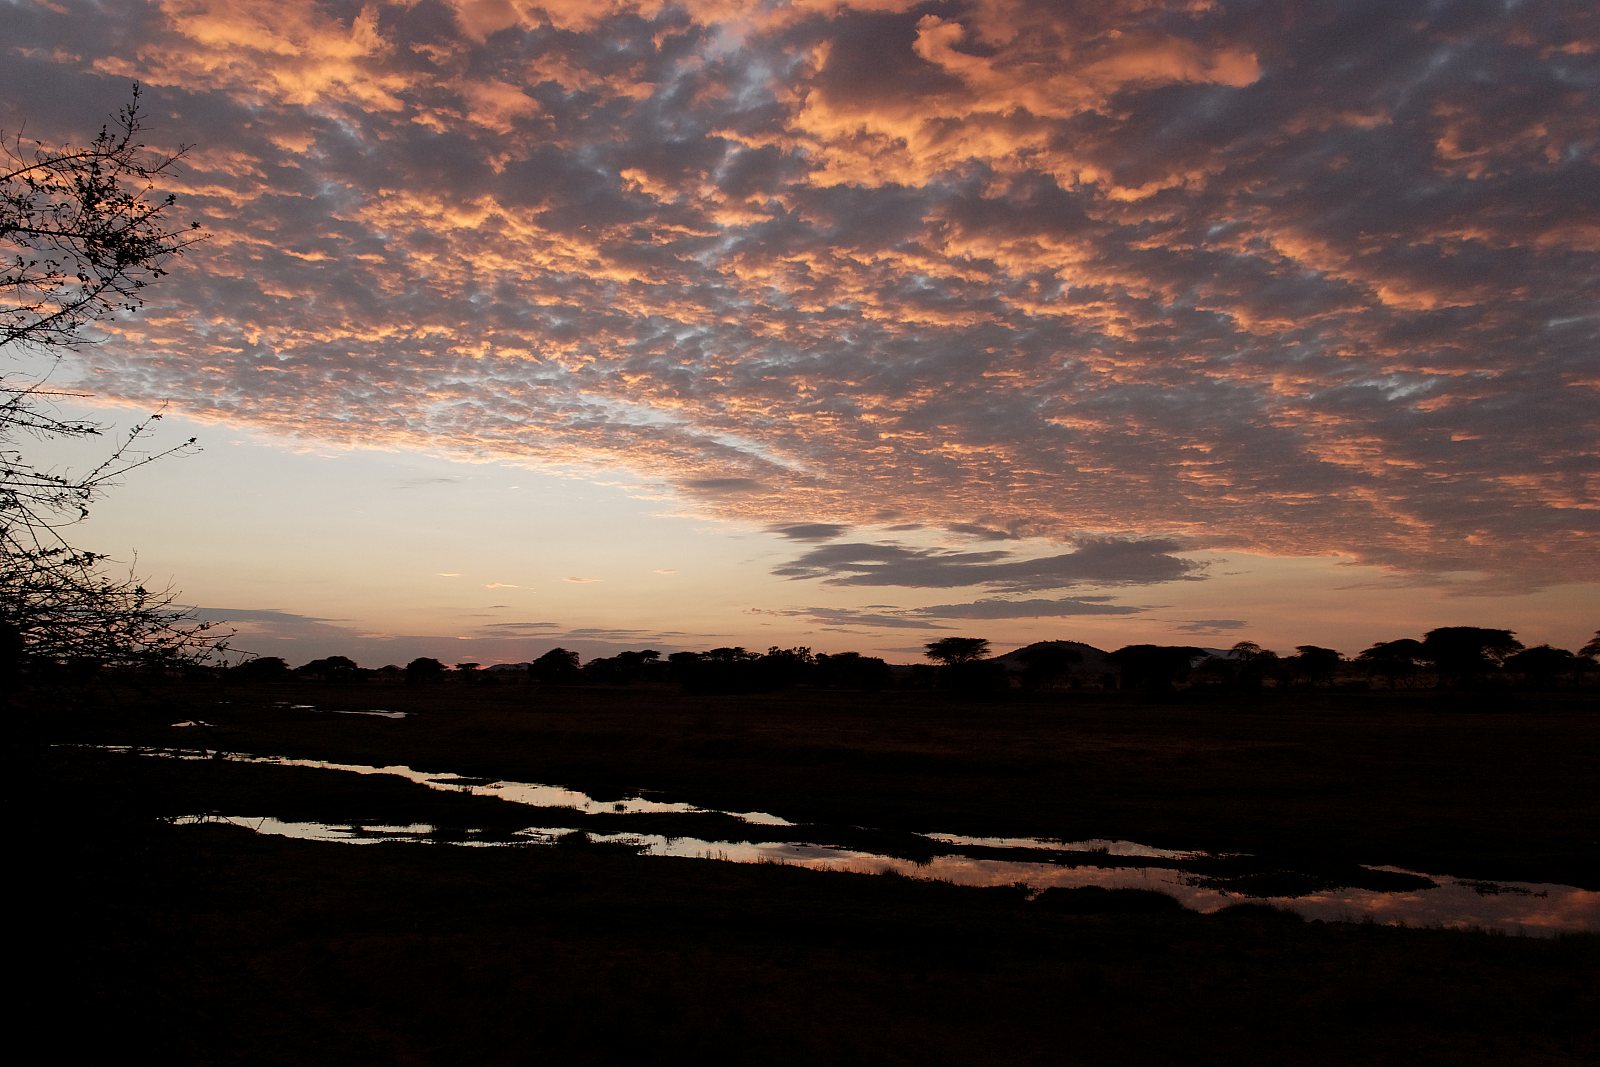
[(1199, 880)]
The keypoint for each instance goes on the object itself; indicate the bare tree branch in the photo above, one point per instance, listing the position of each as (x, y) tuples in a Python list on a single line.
[(82, 232)]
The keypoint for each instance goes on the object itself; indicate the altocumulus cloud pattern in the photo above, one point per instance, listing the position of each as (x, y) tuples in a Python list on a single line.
[(1290, 277)]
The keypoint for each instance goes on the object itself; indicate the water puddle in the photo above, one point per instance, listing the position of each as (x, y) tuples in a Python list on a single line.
[(1387, 895), (1095, 846), (378, 713), (1507, 907), (366, 834), (529, 794)]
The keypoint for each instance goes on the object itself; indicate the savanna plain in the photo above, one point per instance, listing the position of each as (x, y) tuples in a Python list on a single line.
[(201, 940)]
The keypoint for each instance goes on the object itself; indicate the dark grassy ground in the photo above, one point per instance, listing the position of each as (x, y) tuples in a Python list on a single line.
[(212, 945)]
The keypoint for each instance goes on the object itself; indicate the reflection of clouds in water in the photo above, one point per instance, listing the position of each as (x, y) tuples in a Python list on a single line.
[(1520, 907), (355, 834), (552, 796), (1541, 910), (1104, 846), (1510, 907), (530, 794)]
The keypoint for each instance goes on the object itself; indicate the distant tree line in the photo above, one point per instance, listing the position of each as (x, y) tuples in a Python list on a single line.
[(1449, 657), (1456, 657), (716, 670)]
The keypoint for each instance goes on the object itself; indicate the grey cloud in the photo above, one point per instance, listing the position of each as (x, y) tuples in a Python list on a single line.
[(1028, 609), (604, 633), (722, 486), (1095, 561), (885, 616), (424, 482), (1210, 626), (518, 629), (981, 533), (268, 617), (754, 172), (856, 618), (867, 564), (810, 531), (871, 61)]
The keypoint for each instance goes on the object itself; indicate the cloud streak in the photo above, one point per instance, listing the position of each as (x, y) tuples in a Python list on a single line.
[(1093, 562), (934, 617)]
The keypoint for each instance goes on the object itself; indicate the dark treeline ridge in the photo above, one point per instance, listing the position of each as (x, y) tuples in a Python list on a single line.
[(1448, 658)]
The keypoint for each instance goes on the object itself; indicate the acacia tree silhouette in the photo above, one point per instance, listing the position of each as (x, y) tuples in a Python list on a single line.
[(1046, 662), (559, 666), (953, 650), (1465, 653), (965, 666), (82, 232), (1394, 660), (1315, 664), (1153, 667)]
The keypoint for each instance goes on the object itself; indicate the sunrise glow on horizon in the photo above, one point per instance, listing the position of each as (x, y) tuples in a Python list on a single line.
[(852, 324)]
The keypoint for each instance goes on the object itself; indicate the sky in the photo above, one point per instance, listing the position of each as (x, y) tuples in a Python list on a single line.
[(851, 324)]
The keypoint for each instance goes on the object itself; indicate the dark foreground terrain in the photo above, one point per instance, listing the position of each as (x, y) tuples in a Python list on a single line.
[(211, 944)]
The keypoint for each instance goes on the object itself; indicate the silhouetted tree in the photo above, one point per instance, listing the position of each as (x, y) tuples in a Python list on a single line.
[(1255, 664), (952, 650), (1243, 666), (1153, 667), (471, 672), (782, 668), (1266, 664), (330, 669), (852, 670), (1315, 664), (1393, 660), (556, 667), (1047, 662), (260, 669), (639, 665), (1540, 665), (1591, 650), (1465, 653), (610, 670), (738, 670), (625, 668), (1217, 672), (1244, 651), (81, 234), (964, 666), (423, 670), (603, 670)]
